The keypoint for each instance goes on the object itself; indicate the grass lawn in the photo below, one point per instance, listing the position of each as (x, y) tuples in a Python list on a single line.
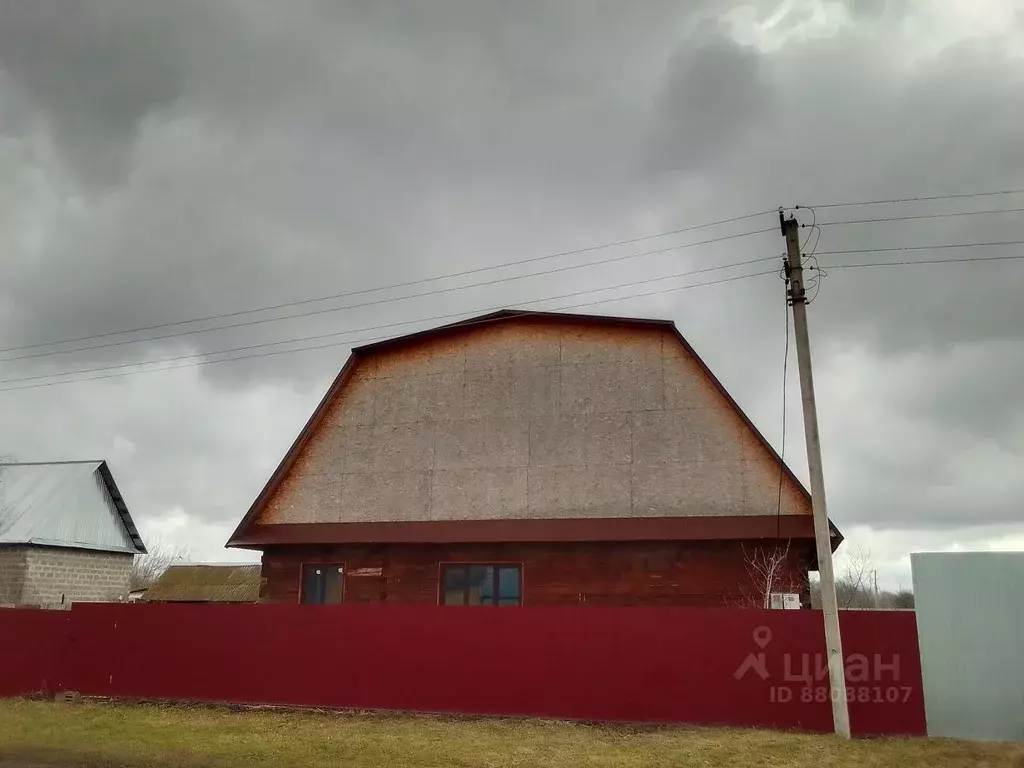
[(98, 734)]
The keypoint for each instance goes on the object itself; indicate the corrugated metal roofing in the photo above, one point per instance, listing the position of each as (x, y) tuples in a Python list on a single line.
[(65, 504), (206, 584)]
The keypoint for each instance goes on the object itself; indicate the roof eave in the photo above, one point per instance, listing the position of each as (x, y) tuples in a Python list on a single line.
[(122, 508), (234, 541), (37, 542)]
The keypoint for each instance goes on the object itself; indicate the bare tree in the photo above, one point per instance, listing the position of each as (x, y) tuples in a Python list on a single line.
[(902, 599), (856, 588), (147, 568), (865, 597), (768, 571)]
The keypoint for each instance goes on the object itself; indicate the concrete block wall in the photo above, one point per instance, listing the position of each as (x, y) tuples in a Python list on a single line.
[(12, 572), (531, 419), (76, 575)]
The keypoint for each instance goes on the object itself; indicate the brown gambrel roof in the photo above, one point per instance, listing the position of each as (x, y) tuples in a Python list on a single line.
[(242, 536)]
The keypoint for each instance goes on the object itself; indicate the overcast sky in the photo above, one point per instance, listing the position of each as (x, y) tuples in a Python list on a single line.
[(161, 161)]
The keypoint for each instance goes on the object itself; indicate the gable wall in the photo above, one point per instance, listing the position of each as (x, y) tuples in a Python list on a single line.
[(531, 419)]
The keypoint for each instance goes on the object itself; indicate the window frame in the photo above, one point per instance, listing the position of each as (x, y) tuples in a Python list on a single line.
[(343, 569), (467, 564)]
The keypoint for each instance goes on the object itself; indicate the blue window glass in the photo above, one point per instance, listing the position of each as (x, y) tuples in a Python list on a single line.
[(508, 585), (479, 584)]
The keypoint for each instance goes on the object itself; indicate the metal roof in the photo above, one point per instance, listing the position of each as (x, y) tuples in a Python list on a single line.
[(206, 584), (65, 504)]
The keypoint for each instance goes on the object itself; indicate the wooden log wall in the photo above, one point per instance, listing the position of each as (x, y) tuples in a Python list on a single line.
[(591, 573)]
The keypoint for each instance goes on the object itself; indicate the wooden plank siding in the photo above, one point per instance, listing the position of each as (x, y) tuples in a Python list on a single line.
[(701, 573)]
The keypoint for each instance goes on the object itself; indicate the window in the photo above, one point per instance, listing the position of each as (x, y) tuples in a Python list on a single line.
[(322, 583), (481, 585)]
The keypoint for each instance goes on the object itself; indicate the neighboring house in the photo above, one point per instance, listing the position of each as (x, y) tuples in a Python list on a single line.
[(528, 458), (66, 535), (206, 584)]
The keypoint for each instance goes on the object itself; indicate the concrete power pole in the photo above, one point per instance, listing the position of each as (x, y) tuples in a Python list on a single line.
[(822, 533)]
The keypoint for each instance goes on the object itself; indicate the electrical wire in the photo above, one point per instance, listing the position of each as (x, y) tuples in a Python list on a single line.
[(921, 199), (926, 261), (349, 342), (807, 256), (406, 284), (195, 364), (924, 248), (388, 325), (816, 231), (376, 302), (918, 216), (813, 225), (819, 274)]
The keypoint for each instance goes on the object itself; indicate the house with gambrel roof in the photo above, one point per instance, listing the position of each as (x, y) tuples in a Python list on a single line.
[(527, 458)]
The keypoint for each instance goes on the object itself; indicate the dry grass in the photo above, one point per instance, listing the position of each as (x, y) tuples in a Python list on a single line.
[(96, 734)]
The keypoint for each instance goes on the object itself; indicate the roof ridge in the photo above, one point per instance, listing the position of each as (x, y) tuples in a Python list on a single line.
[(214, 565), (503, 315), (49, 463)]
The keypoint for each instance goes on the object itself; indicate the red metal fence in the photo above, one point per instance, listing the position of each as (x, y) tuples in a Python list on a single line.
[(32, 648), (689, 665)]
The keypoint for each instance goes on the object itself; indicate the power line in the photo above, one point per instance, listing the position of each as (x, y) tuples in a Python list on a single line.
[(478, 311), (917, 199), (813, 227), (924, 261), (408, 283), (327, 310), (926, 248), (201, 363), (448, 316), (918, 216), (451, 316)]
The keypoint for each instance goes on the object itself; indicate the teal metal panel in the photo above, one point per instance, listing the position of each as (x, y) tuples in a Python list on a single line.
[(970, 624)]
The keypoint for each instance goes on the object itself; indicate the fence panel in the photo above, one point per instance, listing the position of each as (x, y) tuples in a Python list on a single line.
[(32, 646), (691, 665), (970, 606)]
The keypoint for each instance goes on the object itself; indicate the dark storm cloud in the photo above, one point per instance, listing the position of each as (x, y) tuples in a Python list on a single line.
[(94, 70), (173, 160), (714, 93), (329, 149)]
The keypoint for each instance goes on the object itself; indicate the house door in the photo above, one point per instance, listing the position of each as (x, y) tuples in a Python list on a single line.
[(323, 583)]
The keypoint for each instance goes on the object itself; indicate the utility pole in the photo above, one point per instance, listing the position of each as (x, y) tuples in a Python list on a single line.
[(822, 533)]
